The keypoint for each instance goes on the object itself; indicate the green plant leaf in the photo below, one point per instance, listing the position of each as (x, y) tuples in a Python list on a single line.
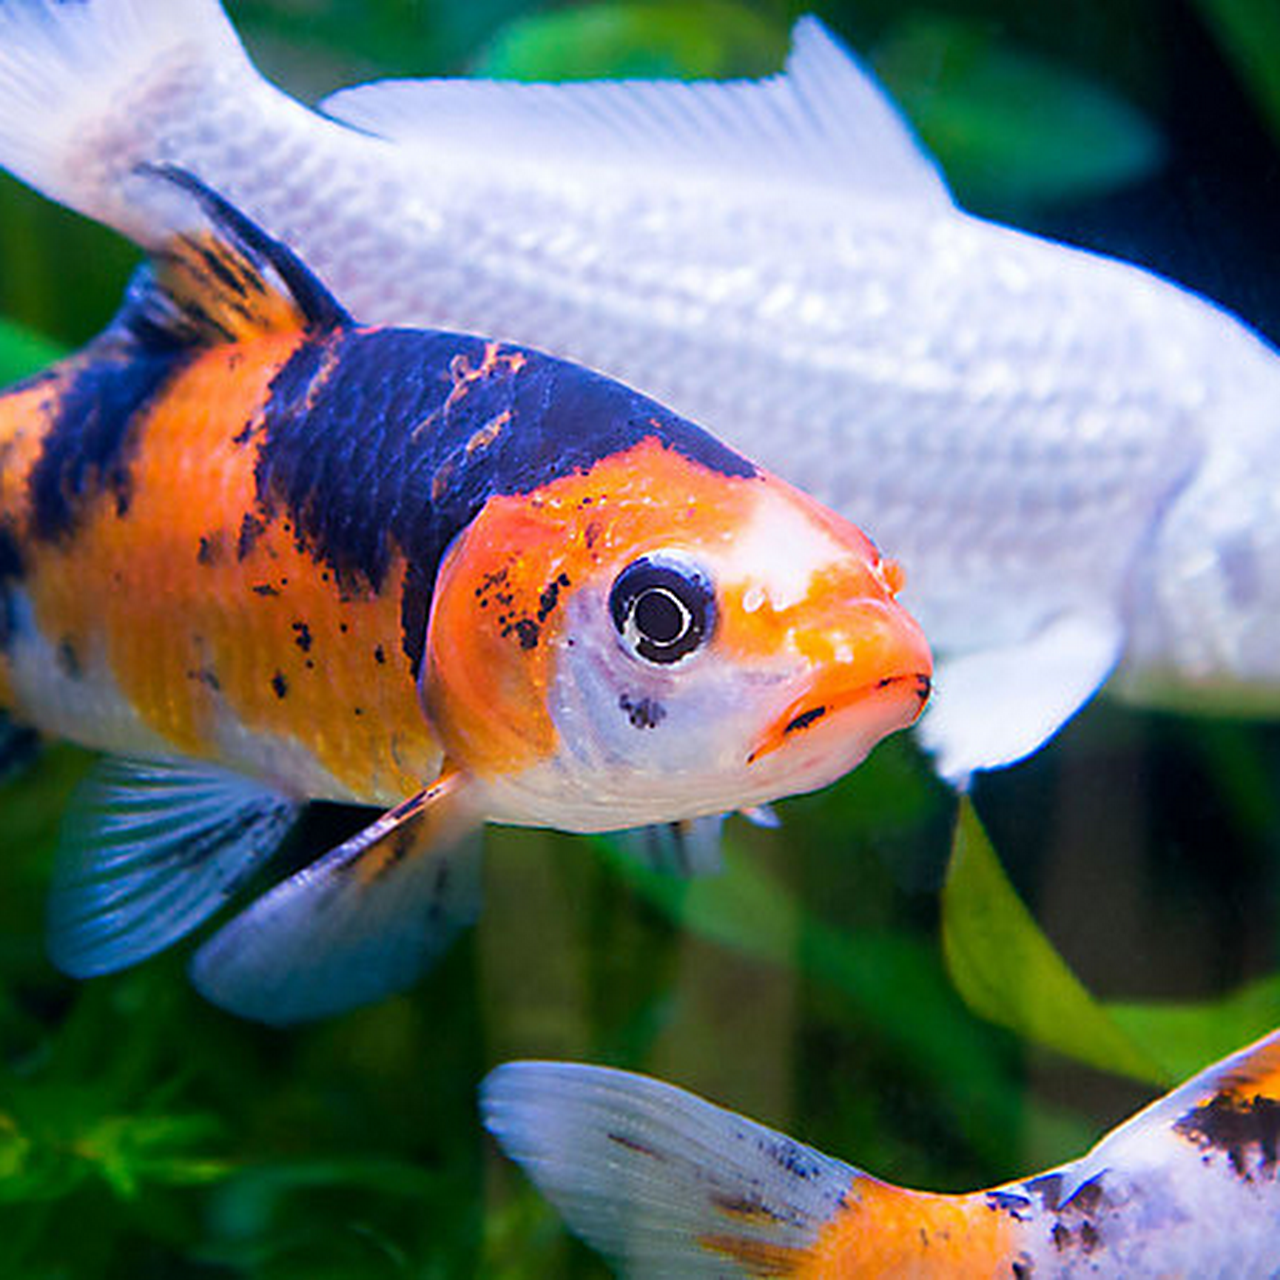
[(1008, 971), (881, 974), (23, 352), (1188, 1036), (707, 38), (1011, 129)]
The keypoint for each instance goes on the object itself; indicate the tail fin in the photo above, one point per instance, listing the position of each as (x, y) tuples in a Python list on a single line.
[(662, 1183), (85, 87)]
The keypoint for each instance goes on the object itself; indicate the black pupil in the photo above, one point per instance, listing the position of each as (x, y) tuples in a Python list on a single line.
[(659, 617), (663, 610)]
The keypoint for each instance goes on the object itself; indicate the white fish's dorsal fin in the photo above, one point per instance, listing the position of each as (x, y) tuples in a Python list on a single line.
[(824, 119), (1247, 1079)]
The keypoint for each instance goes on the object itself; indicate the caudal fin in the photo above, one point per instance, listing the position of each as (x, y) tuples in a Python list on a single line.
[(661, 1182), (87, 91)]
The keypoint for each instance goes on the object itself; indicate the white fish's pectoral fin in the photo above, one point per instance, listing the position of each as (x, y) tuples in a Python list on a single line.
[(688, 848), (661, 1182), (149, 850), (995, 706), (824, 117), (365, 920)]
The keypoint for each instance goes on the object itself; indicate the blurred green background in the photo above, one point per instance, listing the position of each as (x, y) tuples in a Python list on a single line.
[(826, 984)]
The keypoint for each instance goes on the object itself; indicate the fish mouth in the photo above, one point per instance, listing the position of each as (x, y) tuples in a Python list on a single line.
[(880, 706)]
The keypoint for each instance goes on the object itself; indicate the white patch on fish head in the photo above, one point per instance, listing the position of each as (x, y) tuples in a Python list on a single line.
[(722, 671)]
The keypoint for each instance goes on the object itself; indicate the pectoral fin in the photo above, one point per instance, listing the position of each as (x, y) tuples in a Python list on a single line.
[(994, 706), (688, 848), (150, 849), (365, 920)]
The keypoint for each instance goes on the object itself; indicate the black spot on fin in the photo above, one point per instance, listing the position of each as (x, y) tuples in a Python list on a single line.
[(224, 282)]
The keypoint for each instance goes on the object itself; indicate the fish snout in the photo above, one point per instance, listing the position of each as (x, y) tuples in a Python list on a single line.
[(869, 674)]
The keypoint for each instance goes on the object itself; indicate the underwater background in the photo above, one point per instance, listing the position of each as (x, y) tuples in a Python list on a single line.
[(947, 1006)]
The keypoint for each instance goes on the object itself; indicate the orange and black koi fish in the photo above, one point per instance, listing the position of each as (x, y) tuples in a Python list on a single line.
[(264, 555), (667, 1185)]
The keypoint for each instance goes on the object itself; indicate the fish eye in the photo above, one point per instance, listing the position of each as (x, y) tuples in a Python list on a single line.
[(663, 608)]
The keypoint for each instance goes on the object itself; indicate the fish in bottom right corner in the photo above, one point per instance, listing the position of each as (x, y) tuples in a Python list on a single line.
[(665, 1184)]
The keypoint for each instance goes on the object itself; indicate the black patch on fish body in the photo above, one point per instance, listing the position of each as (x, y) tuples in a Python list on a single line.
[(360, 425), (1236, 1126), (87, 449)]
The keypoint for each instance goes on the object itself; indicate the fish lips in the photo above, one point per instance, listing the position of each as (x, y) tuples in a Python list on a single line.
[(845, 707)]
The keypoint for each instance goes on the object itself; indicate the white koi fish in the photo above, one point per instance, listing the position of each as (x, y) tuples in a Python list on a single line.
[(664, 1184), (1076, 460)]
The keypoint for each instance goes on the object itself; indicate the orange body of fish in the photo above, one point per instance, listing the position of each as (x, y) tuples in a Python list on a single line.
[(264, 555)]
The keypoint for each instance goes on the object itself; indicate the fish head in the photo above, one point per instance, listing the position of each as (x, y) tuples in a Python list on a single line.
[(652, 640)]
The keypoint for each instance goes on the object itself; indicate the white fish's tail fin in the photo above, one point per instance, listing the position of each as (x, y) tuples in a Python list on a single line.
[(662, 1183), (84, 87)]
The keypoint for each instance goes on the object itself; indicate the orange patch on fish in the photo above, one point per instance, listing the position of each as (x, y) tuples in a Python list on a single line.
[(502, 587), (215, 610), (890, 1231)]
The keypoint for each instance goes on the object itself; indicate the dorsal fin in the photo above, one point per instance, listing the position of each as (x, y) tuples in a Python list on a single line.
[(824, 120), (223, 280)]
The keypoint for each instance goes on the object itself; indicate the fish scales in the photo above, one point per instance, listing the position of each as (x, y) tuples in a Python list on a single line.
[(1073, 456), (264, 555), (289, 492)]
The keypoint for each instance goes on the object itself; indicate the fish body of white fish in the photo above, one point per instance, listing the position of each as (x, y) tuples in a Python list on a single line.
[(1077, 462)]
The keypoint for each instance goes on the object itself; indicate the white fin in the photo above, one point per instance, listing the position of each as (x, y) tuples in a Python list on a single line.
[(824, 119), (65, 68), (689, 848), (764, 816), (366, 920), (994, 706), (1140, 1142), (148, 851), (661, 1182)]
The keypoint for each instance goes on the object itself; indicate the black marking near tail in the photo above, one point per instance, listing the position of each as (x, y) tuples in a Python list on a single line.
[(392, 439)]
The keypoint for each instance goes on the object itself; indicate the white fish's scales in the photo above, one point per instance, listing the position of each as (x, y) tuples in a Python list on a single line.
[(1076, 461)]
